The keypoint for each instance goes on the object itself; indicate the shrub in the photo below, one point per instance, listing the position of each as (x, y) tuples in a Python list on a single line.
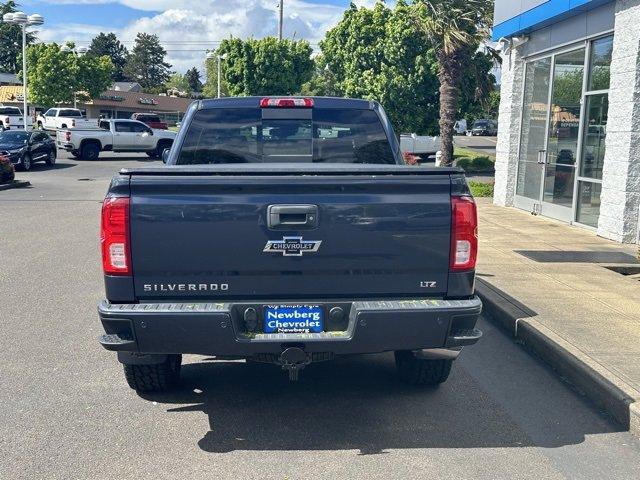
[(479, 189), (479, 164), (7, 172)]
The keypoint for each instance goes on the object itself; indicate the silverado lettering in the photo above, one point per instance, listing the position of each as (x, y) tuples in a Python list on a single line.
[(183, 287)]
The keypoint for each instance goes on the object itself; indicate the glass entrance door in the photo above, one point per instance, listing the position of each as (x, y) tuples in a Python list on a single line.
[(533, 136), (550, 135), (564, 135)]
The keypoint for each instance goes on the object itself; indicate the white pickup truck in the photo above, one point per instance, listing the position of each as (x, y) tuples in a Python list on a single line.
[(115, 136), (421, 146), (57, 118), (11, 117)]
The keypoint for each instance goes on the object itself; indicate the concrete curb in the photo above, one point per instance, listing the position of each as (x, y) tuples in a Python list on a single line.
[(14, 184), (602, 386)]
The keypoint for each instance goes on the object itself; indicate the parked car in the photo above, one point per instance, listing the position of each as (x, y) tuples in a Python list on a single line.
[(421, 146), (11, 117), (487, 128), (26, 148), (60, 118), (460, 127), (292, 247), (151, 120), (7, 170), (115, 136)]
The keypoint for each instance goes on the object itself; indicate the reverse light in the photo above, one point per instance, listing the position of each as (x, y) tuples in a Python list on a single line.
[(114, 237), (464, 234), (268, 102)]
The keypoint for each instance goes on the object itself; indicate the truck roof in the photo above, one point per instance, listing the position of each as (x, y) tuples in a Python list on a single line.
[(318, 102)]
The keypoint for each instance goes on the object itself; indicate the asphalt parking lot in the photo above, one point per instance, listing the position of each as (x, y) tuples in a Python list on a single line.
[(68, 414)]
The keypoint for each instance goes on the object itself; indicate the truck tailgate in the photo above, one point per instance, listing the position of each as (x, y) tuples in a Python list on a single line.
[(208, 236)]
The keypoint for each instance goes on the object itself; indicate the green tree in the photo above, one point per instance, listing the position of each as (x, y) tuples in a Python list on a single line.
[(455, 29), (54, 76), (380, 54), (478, 93), (146, 64), (323, 82), (178, 81), (266, 66), (11, 40), (95, 75), (193, 80), (107, 44)]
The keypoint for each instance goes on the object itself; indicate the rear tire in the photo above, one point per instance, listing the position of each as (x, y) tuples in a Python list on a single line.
[(26, 163), (51, 158), (159, 377), (90, 151), (421, 371), (162, 146)]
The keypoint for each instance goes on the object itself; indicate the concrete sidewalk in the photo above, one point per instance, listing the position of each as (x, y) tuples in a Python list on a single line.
[(582, 318)]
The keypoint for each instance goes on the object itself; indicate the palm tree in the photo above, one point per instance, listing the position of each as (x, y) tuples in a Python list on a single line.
[(455, 28)]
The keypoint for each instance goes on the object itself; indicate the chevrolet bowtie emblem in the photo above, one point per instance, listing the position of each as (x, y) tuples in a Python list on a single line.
[(292, 246)]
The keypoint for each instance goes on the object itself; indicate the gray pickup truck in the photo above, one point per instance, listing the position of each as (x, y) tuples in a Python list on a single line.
[(287, 231)]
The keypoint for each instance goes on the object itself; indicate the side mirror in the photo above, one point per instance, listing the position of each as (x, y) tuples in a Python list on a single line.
[(165, 155)]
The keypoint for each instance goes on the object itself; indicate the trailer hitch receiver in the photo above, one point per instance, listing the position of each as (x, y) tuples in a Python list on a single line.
[(294, 359)]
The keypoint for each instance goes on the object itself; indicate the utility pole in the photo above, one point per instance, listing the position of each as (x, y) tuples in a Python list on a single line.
[(280, 21)]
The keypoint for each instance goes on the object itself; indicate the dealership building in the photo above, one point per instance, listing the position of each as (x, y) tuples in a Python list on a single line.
[(121, 101), (569, 126)]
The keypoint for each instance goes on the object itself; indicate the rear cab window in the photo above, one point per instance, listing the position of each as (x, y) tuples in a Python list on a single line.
[(10, 111), (281, 135), (70, 113)]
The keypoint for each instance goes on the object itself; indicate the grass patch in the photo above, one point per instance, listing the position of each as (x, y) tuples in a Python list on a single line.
[(479, 189), (472, 161)]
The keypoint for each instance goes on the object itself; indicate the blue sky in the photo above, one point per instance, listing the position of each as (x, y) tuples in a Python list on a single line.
[(186, 28)]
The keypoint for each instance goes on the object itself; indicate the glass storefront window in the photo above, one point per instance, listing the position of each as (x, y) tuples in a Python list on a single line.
[(595, 133), (588, 203), (600, 64)]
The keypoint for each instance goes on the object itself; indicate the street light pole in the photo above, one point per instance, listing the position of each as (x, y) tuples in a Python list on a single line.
[(24, 75), (280, 19), (219, 75), (80, 51), (219, 58), (21, 19)]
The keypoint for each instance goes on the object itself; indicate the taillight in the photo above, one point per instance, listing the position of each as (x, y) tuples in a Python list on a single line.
[(114, 237), (464, 234), (67, 136), (286, 102)]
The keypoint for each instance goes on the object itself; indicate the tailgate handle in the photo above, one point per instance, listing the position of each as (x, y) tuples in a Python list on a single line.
[(297, 216)]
